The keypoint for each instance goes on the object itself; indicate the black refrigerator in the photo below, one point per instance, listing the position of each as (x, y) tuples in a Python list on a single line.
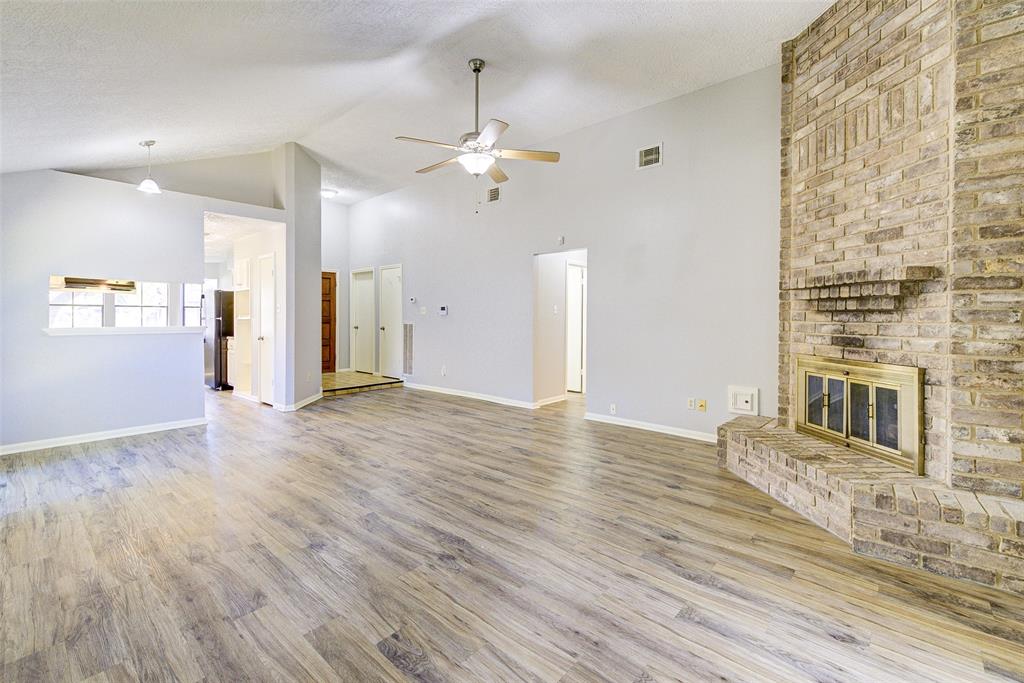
[(219, 307)]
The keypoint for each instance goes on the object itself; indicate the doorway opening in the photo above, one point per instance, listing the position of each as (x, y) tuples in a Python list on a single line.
[(559, 326), (328, 321), (363, 321), (241, 308)]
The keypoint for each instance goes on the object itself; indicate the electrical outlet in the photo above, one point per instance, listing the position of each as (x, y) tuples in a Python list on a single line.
[(444, 370), (691, 403), (612, 409), (702, 405)]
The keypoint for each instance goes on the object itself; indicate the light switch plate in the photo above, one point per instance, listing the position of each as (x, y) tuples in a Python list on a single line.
[(743, 400)]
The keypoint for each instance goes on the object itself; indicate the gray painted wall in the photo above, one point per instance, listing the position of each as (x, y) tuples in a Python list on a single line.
[(678, 257), (246, 178), (297, 189), (57, 223), (63, 224)]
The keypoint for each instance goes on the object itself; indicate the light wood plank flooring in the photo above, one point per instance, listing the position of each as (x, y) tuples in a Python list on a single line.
[(404, 535)]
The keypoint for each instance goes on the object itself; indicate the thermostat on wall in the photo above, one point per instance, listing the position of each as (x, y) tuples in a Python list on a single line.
[(743, 400)]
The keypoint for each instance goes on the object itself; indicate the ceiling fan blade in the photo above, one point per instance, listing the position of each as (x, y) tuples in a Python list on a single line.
[(491, 132), (528, 154), (427, 142), (438, 165), (497, 175)]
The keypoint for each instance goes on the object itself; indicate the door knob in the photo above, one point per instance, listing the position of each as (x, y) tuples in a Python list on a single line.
[(259, 338), (355, 327), (381, 328)]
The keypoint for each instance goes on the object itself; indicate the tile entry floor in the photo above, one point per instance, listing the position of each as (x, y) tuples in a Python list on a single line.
[(350, 382)]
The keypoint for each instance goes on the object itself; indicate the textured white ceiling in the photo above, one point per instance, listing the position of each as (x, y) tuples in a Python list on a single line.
[(83, 82)]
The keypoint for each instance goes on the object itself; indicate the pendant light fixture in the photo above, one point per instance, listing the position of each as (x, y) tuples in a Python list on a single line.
[(148, 185)]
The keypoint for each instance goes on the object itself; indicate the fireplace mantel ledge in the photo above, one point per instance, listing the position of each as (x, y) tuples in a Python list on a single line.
[(894, 274)]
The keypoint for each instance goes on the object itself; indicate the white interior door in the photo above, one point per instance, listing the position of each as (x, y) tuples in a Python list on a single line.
[(391, 321), (266, 310), (364, 320), (575, 327)]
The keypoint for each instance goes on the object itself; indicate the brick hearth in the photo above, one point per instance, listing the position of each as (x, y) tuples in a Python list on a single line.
[(879, 509)]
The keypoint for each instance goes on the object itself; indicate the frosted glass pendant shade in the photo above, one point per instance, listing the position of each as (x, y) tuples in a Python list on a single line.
[(148, 186), (476, 163)]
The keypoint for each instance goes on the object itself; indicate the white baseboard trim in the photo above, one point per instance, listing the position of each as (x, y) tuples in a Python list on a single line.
[(469, 394), (549, 401), (292, 407), (24, 446), (343, 370), (652, 427), (247, 397)]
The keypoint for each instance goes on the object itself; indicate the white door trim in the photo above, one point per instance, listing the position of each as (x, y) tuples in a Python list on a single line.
[(380, 308), (351, 309)]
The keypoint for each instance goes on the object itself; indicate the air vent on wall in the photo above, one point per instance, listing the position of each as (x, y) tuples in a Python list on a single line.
[(407, 329), (648, 156), (494, 194)]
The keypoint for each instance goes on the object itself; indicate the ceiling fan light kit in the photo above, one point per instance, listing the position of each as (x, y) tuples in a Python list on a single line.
[(475, 162), (478, 155)]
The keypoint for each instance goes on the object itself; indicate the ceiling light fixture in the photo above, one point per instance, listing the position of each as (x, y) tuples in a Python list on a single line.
[(477, 153), (148, 185), (476, 162), (328, 193)]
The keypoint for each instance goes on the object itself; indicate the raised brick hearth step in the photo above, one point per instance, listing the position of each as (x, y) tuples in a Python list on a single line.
[(880, 509)]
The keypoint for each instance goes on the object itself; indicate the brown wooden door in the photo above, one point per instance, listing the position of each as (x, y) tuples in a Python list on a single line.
[(328, 322)]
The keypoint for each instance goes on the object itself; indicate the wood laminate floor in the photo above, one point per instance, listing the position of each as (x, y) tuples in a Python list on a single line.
[(404, 535)]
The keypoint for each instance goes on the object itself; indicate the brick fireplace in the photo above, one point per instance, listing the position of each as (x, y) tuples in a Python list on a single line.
[(902, 243), (871, 408)]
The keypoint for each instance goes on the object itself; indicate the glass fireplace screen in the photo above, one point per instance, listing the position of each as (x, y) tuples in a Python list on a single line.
[(872, 407)]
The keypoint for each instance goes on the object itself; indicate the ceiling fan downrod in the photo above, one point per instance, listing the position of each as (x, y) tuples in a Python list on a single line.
[(477, 65)]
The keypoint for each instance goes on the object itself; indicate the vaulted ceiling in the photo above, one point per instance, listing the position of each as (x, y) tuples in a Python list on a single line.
[(82, 83)]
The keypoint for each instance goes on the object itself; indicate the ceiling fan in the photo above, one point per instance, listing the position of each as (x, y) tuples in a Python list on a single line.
[(477, 153)]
